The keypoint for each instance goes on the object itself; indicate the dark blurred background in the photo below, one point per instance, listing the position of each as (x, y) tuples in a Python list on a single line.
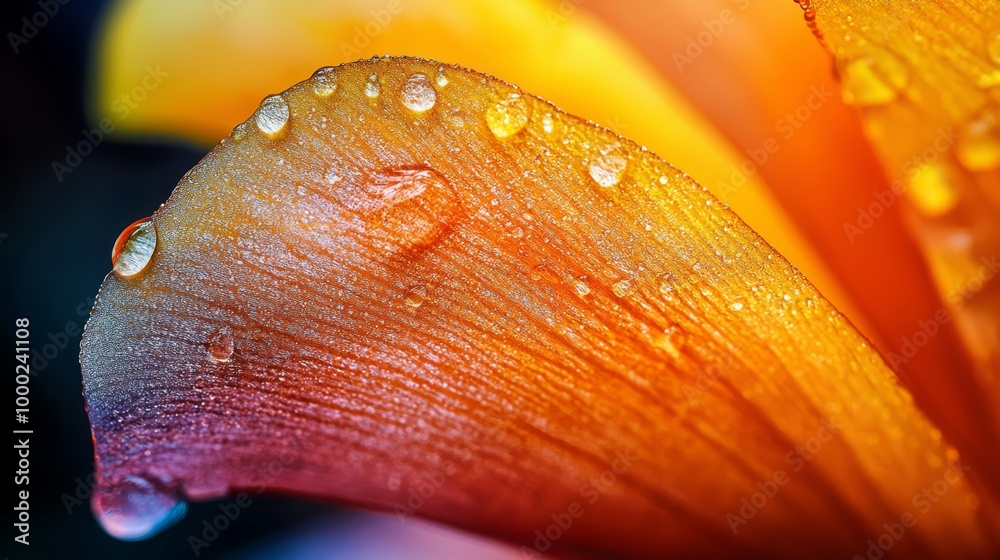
[(56, 235)]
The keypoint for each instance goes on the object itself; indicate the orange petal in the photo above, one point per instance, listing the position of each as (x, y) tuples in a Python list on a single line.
[(452, 290), (228, 61), (761, 77)]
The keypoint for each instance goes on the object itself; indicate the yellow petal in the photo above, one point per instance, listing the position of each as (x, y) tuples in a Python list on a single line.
[(926, 78), (402, 283), (220, 63)]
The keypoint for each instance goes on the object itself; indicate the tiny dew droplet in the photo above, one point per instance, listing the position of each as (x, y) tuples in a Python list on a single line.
[(663, 179), (418, 95), (372, 86), (673, 340), (415, 296), (623, 288), (873, 79), (134, 248), (325, 81), (272, 116), (508, 116), (736, 306), (220, 345), (547, 123), (441, 78), (581, 287), (608, 167)]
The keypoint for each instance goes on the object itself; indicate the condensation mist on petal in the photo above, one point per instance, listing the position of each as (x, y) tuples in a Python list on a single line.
[(466, 297)]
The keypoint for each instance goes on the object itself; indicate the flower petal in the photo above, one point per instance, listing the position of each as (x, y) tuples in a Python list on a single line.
[(221, 64), (458, 302)]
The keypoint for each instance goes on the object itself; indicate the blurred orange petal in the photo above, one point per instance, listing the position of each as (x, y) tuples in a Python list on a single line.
[(450, 289), (757, 72), (221, 64)]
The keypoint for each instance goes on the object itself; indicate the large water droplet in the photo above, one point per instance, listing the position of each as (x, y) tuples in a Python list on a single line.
[(325, 81), (411, 207), (979, 147), (418, 94), (415, 296), (272, 116), (136, 508), (609, 166), (372, 86), (873, 79), (134, 248), (508, 116), (220, 345)]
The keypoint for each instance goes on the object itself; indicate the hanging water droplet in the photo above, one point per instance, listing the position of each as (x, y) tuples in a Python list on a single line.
[(136, 508), (932, 189), (325, 81), (418, 94), (411, 207), (372, 86), (623, 288), (873, 79), (272, 116), (220, 345), (609, 166), (441, 78), (134, 248), (415, 296), (979, 147), (508, 116)]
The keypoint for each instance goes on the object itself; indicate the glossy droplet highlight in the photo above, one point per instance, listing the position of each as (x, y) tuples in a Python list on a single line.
[(581, 287), (136, 508), (372, 86), (507, 117), (272, 116), (418, 94), (134, 248), (220, 345), (608, 167), (979, 147), (873, 79), (441, 78), (411, 207), (415, 296), (325, 81), (672, 340), (623, 288)]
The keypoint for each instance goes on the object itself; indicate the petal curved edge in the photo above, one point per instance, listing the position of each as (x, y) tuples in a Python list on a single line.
[(400, 281), (228, 60)]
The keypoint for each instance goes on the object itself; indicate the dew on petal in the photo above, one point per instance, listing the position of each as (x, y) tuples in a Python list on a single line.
[(418, 94), (325, 81), (272, 116), (220, 345), (607, 168), (415, 296), (441, 78), (873, 79), (412, 206), (372, 86), (623, 288), (136, 508), (507, 117), (134, 248)]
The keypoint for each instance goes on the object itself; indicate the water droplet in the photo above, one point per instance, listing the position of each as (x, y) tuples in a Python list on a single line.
[(873, 79), (932, 190), (543, 272), (134, 248), (508, 116), (411, 207), (332, 177), (415, 296), (272, 116), (418, 94), (736, 306), (979, 147), (993, 48), (663, 179), (240, 131), (220, 345), (441, 78), (136, 508), (325, 81), (581, 287), (623, 288), (667, 283), (372, 86), (547, 123), (608, 167), (673, 340)]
